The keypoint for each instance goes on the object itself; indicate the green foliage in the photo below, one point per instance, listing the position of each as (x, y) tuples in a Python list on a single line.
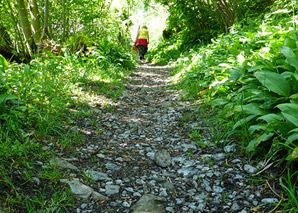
[(251, 74), (289, 185), (35, 103)]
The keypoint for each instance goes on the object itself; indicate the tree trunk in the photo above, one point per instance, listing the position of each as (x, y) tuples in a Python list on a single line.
[(64, 21), (18, 35), (25, 25), (46, 17), (35, 19)]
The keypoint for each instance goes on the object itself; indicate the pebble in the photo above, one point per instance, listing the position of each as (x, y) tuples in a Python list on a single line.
[(146, 160), (269, 200), (162, 158), (112, 189), (250, 169)]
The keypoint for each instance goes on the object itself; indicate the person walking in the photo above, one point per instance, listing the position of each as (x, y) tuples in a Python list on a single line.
[(142, 41)]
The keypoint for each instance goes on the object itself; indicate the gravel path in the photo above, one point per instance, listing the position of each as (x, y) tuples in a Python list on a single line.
[(138, 158)]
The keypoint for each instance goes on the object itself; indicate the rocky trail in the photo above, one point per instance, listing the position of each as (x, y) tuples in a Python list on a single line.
[(140, 158)]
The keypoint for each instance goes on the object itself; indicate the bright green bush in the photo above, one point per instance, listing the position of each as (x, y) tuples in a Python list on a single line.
[(251, 73)]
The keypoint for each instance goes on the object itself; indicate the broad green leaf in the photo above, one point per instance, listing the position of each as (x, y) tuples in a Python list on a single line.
[(293, 62), (219, 101), (288, 52), (293, 137), (290, 111), (257, 127), (291, 43), (289, 74), (258, 67), (252, 109), (270, 117), (274, 82), (243, 121), (6, 97), (235, 74), (294, 130), (3, 63), (253, 144)]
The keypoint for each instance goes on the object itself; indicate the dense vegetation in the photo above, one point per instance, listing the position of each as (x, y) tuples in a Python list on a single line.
[(238, 56), (250, 74), (69, 63)]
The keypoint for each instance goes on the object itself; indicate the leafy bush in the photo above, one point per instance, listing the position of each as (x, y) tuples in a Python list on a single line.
[(35, 103), (251, 73)]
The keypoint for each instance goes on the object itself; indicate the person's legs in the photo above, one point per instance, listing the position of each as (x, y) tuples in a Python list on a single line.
[(142, 51)]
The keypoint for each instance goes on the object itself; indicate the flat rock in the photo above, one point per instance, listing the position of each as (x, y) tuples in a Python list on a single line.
[(98, 197), (149, 203), (162, 158), (112, 189), (188, 171), (250, 169), (97, 176), (269, 200), (55, 161), (78, 189)]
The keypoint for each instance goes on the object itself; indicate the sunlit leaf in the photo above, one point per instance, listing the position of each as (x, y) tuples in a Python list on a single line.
[(270, 117), (288, 52), (293, 137), (243, 121), (290, 111), (252, 108), (291, 43), (257, 127), (3, 63), (274, 82)]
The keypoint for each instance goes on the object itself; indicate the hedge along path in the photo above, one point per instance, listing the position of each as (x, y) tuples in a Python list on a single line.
[(139, 155)]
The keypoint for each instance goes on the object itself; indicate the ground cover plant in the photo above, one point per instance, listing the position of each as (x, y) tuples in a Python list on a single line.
[(250, 74), (36, 103)]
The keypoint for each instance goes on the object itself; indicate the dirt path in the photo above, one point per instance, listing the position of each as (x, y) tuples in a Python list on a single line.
[(127, 164)]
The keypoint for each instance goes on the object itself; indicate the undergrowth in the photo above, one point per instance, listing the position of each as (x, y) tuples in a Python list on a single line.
[(38, 103), (251, 75)]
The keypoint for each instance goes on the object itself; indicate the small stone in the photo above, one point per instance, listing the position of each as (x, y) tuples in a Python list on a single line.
[(162, 158), (150, 155), (98, 197), (113, 167), (137, 194), (96, 176), (219, 156), (269, 200), (36, 180), (112, 189), (179, 201), (229, 148), (188, 172), (163, 193), (250, 169), (235, 207), (84, 205), (187, 147), (119, 159), (170, 209), (217, 189), (78, 189), (125, 204), (149, 203), (55, 161)]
